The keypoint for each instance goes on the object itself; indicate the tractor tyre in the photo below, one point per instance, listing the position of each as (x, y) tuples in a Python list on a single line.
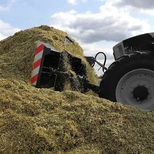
[(130, 80)]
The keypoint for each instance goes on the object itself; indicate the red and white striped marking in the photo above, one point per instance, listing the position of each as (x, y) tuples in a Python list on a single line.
[(37, 64)]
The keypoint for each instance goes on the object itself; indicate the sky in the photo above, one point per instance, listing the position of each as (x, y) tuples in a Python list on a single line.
[(97, 25)]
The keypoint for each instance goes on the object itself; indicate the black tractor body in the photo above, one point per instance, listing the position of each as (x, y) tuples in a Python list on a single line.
[(141, 43), (130, 79)]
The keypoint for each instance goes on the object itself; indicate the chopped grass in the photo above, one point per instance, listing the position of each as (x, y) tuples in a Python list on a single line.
[(44, 121)]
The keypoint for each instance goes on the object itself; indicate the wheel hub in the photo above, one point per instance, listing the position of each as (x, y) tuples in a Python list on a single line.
[(140, 93), (136, 88)]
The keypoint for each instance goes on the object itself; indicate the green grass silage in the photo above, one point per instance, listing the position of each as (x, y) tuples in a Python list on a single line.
[(44, 121)]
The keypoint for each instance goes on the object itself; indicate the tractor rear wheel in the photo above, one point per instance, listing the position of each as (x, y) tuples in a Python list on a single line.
[(130, 80)]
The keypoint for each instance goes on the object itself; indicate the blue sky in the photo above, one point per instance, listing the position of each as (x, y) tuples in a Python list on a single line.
[(28, 13), (96, 24)]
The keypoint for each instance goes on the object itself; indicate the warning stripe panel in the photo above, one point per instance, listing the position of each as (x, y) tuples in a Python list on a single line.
[(34, 78), (39, 49), (37, 63), (38, 56), (35, 71), (34, 83)]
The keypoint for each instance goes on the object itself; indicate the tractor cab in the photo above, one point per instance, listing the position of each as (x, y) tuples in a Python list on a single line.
[(140, 43)]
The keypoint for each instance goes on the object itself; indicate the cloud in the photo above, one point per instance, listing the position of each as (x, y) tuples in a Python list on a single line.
[(75, 2), (142, 4), (6, 30), (6, 4), (144, 7), (109, 24), (2, 36)]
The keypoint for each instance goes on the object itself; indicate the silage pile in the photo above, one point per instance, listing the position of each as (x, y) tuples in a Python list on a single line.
[(17, 52), (45, 121)]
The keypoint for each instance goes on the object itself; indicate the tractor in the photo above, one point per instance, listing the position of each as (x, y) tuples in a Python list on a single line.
[(129, 80)]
